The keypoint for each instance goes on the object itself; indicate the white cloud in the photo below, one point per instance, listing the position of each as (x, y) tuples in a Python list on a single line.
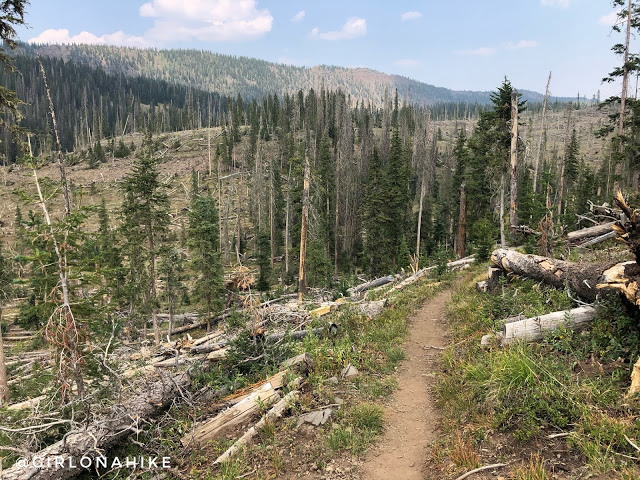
[(407, 62), (410, 16), (610, 19), (298, 16), (206, 20), (556, 3), (62, 36), (521, 44), (354, 27), (181, 21), (482, 51)]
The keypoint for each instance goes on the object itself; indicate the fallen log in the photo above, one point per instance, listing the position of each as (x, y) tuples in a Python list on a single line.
[(275, 412), (378, 282), (102, 433), (463, 262), (213, 428), (590, 232), (600, 239), (584, 279), (209, 347), (535, 328)]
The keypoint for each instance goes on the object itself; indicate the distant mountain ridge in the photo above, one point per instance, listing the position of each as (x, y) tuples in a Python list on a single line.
[(254, 78)]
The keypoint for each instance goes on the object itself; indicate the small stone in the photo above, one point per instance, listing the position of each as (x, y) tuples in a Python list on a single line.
[(349, 371), (333, 380)]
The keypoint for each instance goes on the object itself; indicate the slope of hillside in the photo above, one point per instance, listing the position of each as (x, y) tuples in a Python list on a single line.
[(253, 78)]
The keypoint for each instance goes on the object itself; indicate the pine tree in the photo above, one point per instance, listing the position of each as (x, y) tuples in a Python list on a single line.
[(145, 213), (376, 220), (203, 241), (263, 261)]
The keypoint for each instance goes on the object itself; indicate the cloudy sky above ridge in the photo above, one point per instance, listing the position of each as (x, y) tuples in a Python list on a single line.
[(471, 47)]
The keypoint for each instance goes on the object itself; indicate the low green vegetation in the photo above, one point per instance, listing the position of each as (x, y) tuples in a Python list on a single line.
[(572, 382)]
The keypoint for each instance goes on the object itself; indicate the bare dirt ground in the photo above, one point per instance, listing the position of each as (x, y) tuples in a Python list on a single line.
[(411, 418)]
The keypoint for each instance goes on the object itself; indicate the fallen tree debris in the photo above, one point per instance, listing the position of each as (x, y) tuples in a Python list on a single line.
[(276, 412), (535, 328), (213, 428)]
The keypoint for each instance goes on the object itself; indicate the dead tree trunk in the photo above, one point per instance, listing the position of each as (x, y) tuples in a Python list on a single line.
[(419, 227), (4, 386), (101, 434), (302, 279), (513, 210), (462, 222), (537, 160), (623, 95), (503, 241)]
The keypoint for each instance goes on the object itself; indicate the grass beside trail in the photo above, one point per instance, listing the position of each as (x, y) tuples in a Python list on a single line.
[(502, 403)]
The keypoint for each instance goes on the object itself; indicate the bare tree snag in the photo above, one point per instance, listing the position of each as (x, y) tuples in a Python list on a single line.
[(462, 222), (423, 189), (302, 279), (536, 164), (513, 210), (623, 94), (567, 135)]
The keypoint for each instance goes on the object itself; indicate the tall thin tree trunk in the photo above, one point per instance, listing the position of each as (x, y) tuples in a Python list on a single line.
[(336, 221), (286, 225), (536, 164), (423, 190), (4, 385), (503, 242), (564, 160), (154, 291), (462, 221), (302, 275), (623, 96), (513, 210), (272, 224)]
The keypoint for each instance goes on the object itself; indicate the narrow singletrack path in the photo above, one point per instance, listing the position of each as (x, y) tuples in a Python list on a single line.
[(411, 418)]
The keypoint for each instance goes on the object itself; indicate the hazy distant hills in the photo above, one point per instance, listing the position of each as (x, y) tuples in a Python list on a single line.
[(253, 78)]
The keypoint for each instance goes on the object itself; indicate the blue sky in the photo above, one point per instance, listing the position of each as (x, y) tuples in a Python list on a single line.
[(463, 45)]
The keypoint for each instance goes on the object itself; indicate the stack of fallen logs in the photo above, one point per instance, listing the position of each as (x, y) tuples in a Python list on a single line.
[(588, 281)]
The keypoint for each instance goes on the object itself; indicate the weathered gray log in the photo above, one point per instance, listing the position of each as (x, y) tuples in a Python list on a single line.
[(584, 279), (584, 233), (600, 239), (535, 328), (103, 433), (378, 282), (209, 347), (200, 324)]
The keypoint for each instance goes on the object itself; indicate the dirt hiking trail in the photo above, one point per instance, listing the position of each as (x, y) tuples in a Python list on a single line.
[(411, 418)]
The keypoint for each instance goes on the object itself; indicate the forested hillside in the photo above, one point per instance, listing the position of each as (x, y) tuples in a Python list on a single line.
[(253, 78)]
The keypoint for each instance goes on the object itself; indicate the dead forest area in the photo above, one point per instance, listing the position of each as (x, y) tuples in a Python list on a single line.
[(236, 298), (224, 288)]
